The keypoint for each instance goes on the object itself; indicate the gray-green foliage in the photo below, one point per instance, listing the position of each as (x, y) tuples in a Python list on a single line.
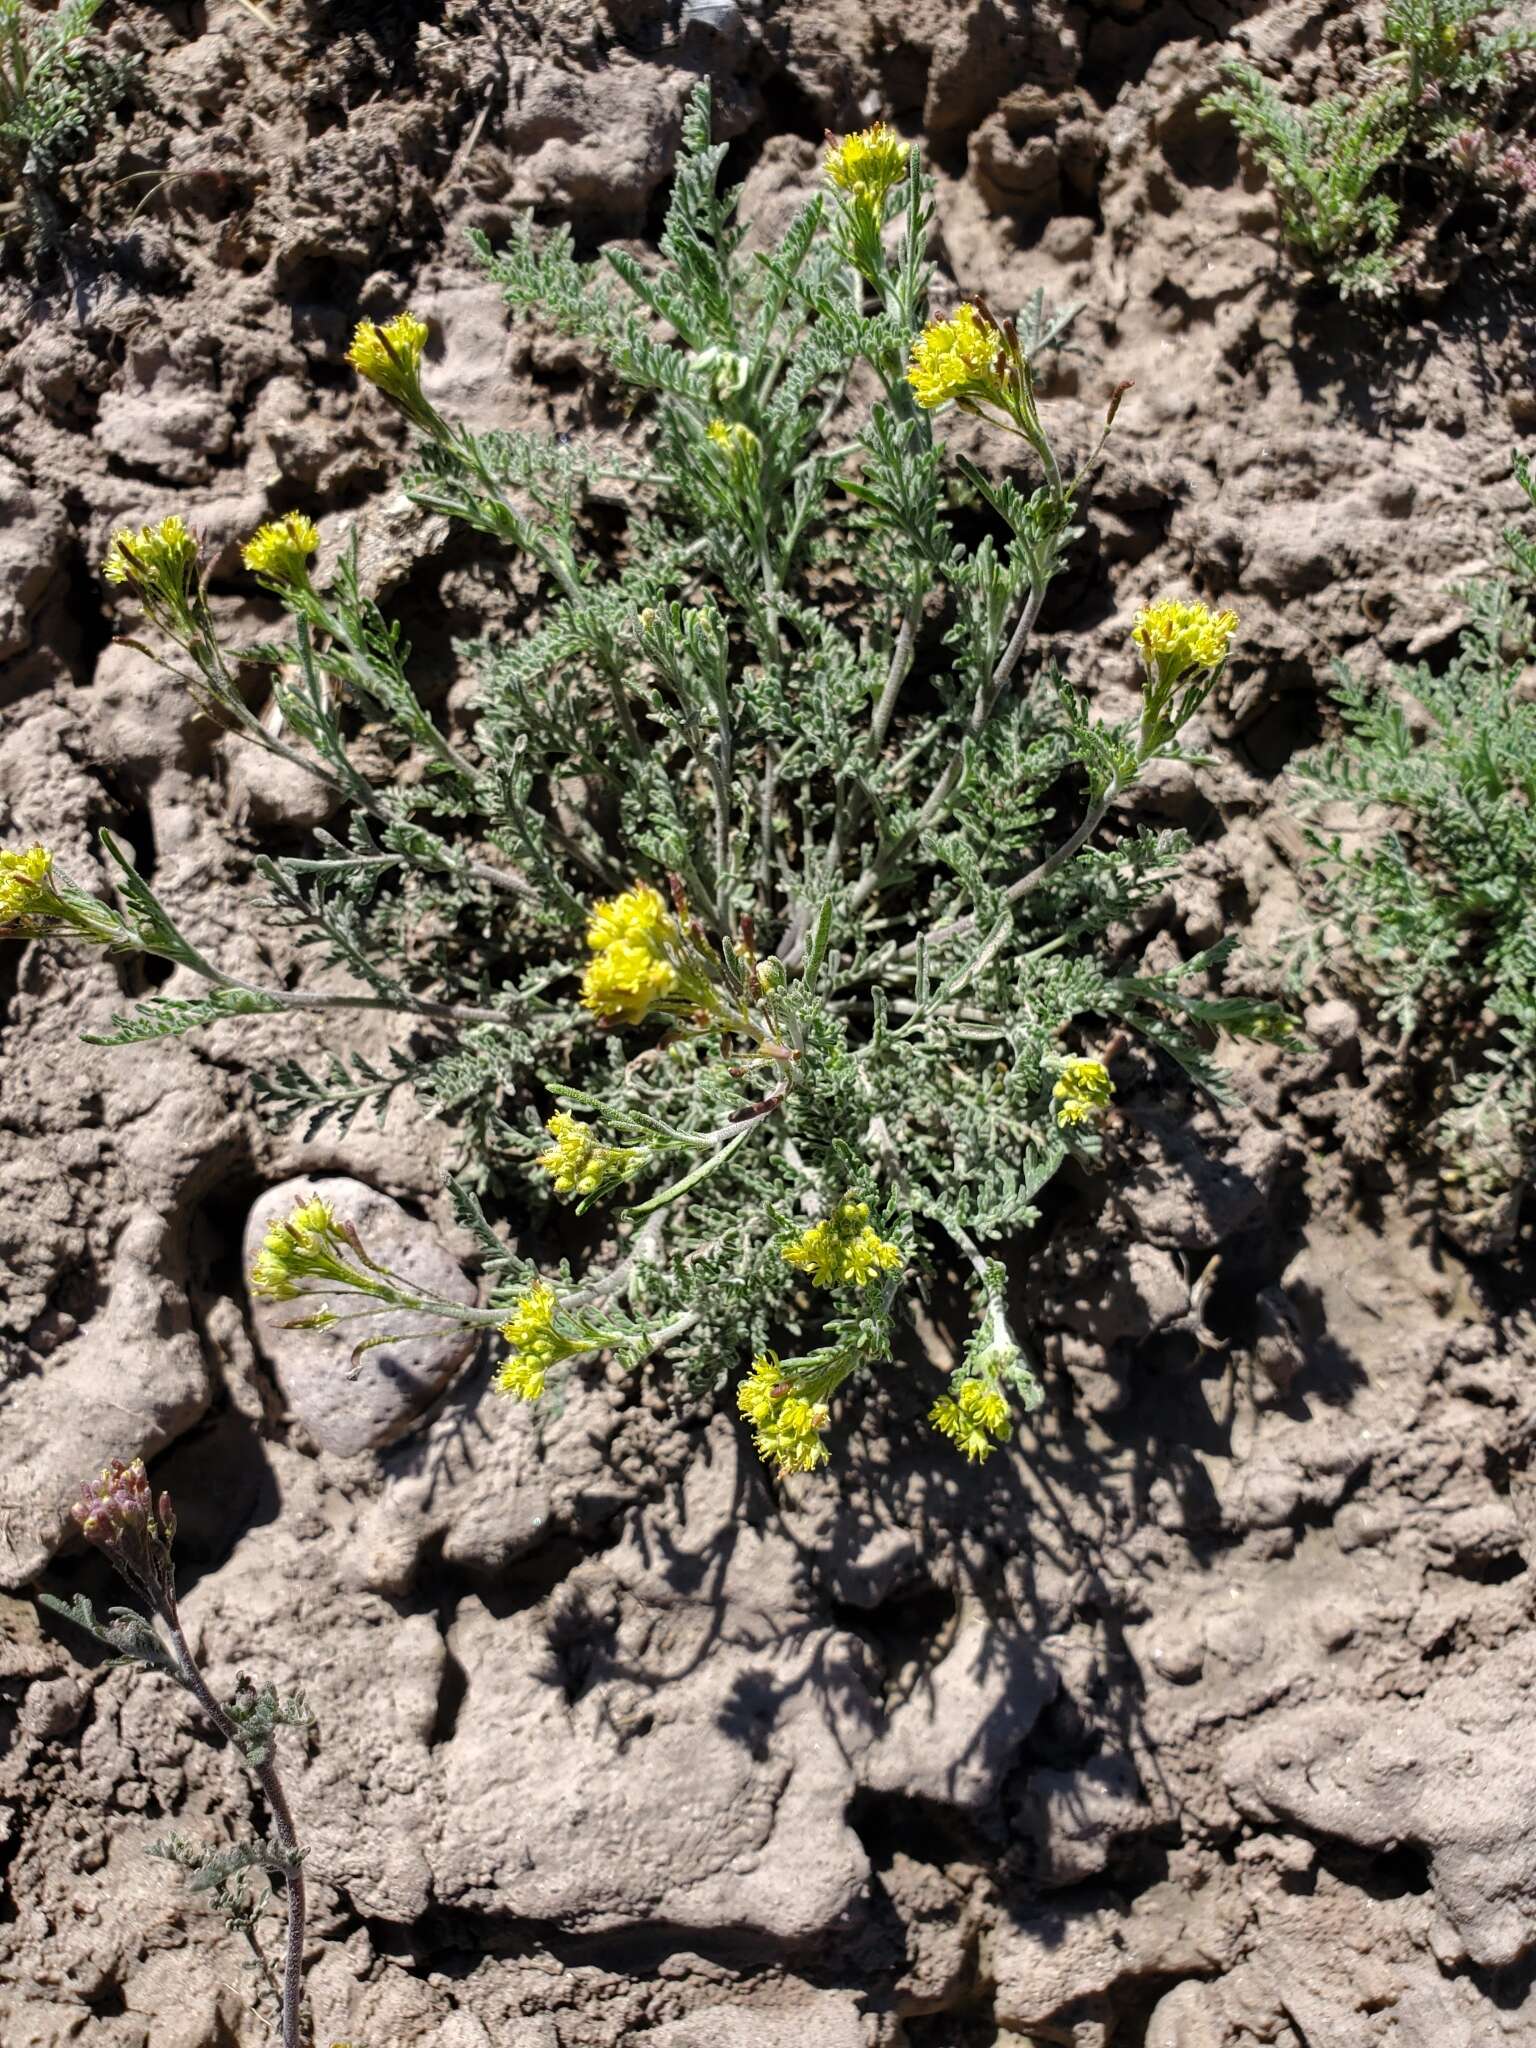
[(1433, 888), (1443, 71), (56, 88), (796, 700)]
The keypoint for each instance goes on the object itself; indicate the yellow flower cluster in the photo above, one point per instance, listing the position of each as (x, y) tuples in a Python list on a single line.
[(536, 1344), (957, 358), (639, 916), (787, 1427), (390, 355), (1175, 637), (26, 887), (844, 1250), (626, 981), (577, 1163), (976, 1423), (301, 1248), (630, 971), (1082, 1093), (281, 549), (36, 902), (868, 164), (162, 556)]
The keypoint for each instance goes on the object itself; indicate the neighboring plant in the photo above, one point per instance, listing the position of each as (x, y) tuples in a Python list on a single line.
[(1430, 906), (134, 1531), (56, 89), (1441, 82), (746, 881)]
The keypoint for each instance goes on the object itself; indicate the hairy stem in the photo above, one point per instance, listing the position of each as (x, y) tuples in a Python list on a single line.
[(405, 1006), (901, 662), (1052, 864)]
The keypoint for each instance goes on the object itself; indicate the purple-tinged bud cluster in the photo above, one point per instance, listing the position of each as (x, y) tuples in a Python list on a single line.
[(1518, 165), (1469, 150), (120, 1515)]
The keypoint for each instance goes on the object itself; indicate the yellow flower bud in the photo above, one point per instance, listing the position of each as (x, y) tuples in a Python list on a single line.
[(160, 558), (975, 1422), (26, 890), (787, 1425), (389, 355), (536, 1344), (630, 972), (1176, 638), (1082, 1093), (639, 914), (844, 1250), (739, 447), (577, 1163)]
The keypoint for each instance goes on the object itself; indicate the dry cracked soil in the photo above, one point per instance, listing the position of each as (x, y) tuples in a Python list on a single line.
[(1203, 1719)]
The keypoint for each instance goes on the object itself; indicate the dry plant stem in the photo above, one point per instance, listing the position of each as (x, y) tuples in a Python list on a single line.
[(282, 1822)]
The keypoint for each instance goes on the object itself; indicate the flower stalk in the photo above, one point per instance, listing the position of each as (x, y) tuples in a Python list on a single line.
[(120, 1516)]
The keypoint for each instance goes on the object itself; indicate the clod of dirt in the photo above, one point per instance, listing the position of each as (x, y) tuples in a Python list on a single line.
[(1453, 1773), (830, 2019), (132, 1382), (952, 1731), (620, 1763), (1057, 1973)]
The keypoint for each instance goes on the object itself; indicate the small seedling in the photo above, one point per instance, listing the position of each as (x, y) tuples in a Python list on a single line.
[(1428, 903), (56, 88), (1432, 95)]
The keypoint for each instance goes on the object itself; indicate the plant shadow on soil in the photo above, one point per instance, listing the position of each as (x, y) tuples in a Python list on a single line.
[(1374, 369), (1032, 1542)]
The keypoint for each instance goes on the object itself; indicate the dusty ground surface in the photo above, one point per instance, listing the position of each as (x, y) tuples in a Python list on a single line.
[(1204, 1720)]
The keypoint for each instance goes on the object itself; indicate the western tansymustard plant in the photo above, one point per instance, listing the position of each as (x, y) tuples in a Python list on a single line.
[(1437, 85), (1426, 903), (740, 904), (119, 1514)]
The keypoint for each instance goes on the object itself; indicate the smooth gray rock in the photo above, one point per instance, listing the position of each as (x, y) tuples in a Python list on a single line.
[(396, 1382)]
